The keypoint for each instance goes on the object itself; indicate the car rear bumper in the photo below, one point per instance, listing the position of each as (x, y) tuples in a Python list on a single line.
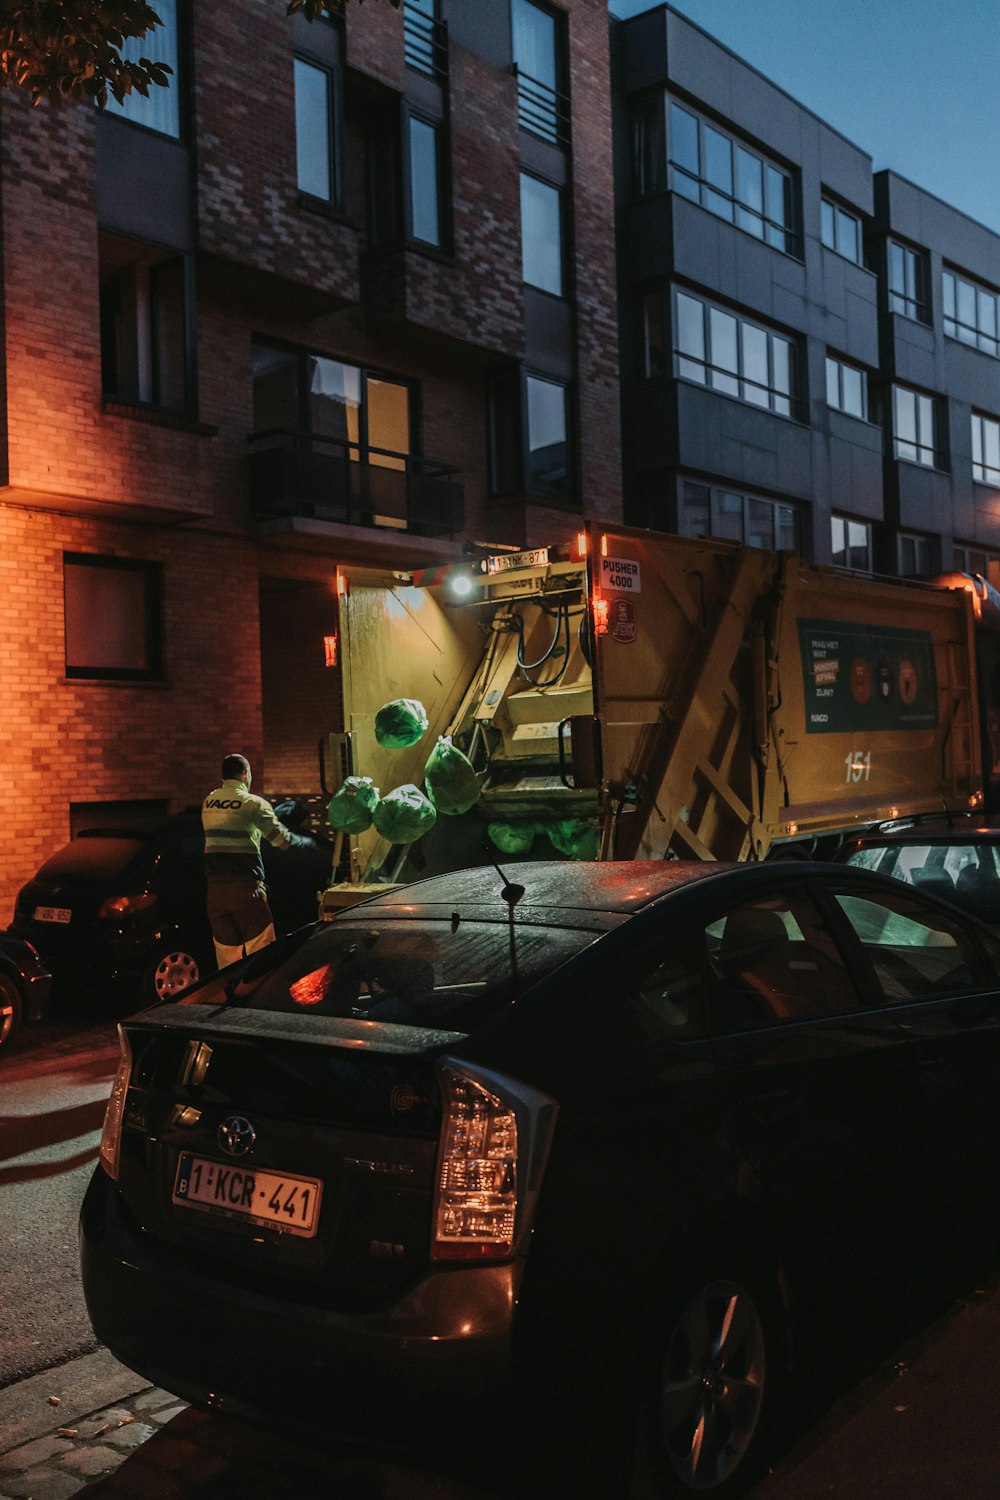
[(386, 1375)]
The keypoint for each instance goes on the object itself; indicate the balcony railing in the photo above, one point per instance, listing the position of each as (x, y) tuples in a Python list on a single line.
[(542, 109), (425, 43), (331, 479)]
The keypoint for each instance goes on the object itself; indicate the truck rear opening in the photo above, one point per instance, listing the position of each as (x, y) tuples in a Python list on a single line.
[(637, 695)]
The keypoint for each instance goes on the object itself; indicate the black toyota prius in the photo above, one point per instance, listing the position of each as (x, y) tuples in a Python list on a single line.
[(568, 1164)]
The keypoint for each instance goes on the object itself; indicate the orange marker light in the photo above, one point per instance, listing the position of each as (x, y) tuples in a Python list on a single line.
[(330, 650), (581, 544), (341, 583), (600, 611), (604, 545)]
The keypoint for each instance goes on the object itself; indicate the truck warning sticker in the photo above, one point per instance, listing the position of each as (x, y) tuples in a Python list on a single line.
[(620, 575), (866, 677)]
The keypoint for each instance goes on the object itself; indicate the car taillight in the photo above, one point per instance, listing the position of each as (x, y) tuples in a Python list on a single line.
[(111, 1134), (127, 906), (494, 1139)]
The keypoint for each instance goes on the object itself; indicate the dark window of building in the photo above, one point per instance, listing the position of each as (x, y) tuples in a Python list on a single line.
[(384, 175), (362, 415), (548, 438), (731, 180), (654, 336), (914, 427), (145, 335), (971, 313), (315, 141), (972, 559), (846, 388), (985, 449), (113, 613), (754, 520), (160, 110), (424, 46), (649, 147), (732, 355), (541, 235), (424, 160), (915, 554), (840, 230), (530, 437), (537, 61), (908, 282), (851, 543)]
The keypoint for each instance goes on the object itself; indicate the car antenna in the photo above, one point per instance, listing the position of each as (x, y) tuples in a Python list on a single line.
[(511, 893), (947, 812)]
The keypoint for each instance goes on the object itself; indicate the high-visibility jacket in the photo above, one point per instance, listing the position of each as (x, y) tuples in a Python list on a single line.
[(235, 821)]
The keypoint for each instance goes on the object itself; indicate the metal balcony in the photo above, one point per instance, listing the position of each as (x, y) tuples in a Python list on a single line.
[(542, 109), (330, 479), (425, 43)]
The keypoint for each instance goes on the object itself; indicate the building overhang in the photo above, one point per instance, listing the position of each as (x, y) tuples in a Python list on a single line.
[(98, 507), (357, 544)]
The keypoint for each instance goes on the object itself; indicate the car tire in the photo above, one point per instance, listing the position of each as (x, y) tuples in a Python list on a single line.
[(11, 1011), (173, 968), (713, 1390)]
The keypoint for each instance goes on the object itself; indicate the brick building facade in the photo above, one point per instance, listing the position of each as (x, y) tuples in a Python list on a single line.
[(346, 294)]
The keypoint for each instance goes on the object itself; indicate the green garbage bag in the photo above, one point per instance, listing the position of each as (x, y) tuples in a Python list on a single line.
[(350, 808), (400, 723), (574, 837), (512, 838), (404, 815), (451, 782)]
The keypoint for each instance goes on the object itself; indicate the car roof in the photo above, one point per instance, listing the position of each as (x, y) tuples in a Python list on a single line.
[(936, 831)]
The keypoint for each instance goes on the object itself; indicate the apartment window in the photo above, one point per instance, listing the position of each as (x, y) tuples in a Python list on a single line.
[(913, 426), (423, 41), (341, 408), (732, 355), (907, 282), (730, 180), (985, 449), (424, 151), (840, 230), (145, 338), (541, 108), (972, 559), (846, 388), (915, 553), (851, 543), (160, 110), (112, 617), (754, 520), (547, 438), (971, 313), (314, 135), (541, 235), (529, 434)]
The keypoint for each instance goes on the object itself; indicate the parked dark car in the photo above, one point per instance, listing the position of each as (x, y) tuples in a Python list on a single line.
[(124, 908), (25, 984), (581, 1158), (957, 859)]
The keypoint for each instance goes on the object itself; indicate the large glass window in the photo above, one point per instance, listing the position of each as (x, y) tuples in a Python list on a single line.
[(730, 354), (548, 438), (985, 449), (343, 408), (536, 58), (915, 952), (754, 520), (729, 179), (846, 388), (144, 325), (915, 552), (972, 559), (541, 235), (425, 181), (160, 110), (112, 617), (914, 437), (971, 313), (908, 282), (851, 543), (840, 230), (314, 142)]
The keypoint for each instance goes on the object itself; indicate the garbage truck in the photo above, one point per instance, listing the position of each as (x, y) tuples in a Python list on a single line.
[(636, 695)]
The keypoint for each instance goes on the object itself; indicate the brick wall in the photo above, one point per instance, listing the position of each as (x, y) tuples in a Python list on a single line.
[(64, 741)]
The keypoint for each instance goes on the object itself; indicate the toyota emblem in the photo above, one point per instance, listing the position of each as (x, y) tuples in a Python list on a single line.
[(237, 1136)]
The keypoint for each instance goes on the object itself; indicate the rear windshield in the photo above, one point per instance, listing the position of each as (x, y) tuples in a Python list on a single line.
[(409, 973), (92, 858), (945, 869)]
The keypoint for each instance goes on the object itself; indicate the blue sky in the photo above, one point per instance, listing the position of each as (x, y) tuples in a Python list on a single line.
[(915, 83)]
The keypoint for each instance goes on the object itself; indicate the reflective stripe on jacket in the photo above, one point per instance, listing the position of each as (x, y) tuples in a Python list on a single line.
[(235, 821)]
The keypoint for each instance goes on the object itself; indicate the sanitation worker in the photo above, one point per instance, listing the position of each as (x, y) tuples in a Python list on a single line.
[(235, 821)]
